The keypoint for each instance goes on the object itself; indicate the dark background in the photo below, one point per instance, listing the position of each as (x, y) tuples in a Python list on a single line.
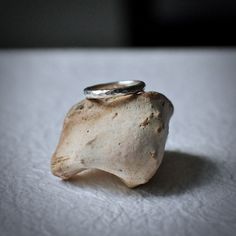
[(117, 23)]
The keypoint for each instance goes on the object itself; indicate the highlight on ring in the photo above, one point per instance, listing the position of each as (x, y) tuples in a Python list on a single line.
[(114, 89)]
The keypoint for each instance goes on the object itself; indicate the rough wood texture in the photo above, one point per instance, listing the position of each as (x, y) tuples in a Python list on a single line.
[(124, 136)]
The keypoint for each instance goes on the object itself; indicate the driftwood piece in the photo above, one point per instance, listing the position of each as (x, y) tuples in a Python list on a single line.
[(124, 136)]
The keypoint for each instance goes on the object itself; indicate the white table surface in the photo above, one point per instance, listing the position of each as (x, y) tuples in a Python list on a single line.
[(194, 191)]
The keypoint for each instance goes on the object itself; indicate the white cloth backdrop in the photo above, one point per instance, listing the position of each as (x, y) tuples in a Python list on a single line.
[(194, 191)]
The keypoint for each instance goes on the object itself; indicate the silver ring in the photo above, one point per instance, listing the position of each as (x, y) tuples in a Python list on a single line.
[(114, 89)]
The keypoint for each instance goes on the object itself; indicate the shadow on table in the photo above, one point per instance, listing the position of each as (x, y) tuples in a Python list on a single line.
[(178, 173)]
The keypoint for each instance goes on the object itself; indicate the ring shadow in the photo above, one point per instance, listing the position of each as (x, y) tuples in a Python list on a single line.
[(178, 173)]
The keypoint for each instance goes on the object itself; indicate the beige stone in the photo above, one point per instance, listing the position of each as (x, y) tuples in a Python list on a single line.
[(124, 136)]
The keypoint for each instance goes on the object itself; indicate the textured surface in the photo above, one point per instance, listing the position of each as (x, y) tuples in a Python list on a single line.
[(124, 136), (193, 192)]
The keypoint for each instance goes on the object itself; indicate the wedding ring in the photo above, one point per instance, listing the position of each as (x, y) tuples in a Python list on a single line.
[(114, 89)]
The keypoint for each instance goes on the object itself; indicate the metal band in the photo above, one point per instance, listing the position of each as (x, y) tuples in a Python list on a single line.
[(114, 89)]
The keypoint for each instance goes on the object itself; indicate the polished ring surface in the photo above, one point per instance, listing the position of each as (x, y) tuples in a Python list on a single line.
[(114, 89)]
